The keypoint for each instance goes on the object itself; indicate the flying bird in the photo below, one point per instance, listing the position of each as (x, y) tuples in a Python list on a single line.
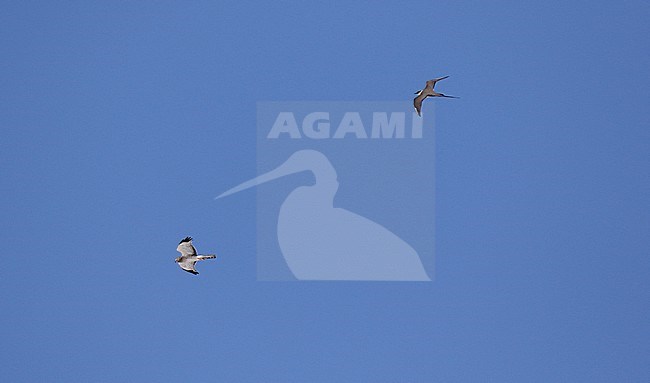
[(426, 92), (188, 257)]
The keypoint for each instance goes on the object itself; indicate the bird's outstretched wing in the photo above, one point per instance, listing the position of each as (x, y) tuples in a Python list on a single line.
[(188, 265), (417, 102), (186, 248), (435, 80)]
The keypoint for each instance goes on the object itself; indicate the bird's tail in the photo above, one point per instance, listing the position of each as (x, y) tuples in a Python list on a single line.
[(206, 256)]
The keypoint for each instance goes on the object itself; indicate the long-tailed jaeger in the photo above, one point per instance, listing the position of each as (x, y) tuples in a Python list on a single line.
[(426, 92)]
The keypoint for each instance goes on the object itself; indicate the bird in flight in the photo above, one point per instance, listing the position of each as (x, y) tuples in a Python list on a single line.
[(188, 257), (426, 92)]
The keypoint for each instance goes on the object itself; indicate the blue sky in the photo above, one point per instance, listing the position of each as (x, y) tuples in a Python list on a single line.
[(119, 123)]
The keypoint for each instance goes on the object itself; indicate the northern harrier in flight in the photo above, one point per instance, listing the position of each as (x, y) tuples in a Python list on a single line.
[(426, 92), (188, 257)]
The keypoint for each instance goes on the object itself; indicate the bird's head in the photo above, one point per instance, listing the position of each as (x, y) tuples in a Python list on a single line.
[(178, 259)]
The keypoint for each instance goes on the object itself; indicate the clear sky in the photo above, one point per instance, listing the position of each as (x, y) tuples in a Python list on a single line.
[(120, 121)]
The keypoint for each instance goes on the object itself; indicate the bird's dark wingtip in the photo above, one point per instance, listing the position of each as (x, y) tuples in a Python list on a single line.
[(186, 239)]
